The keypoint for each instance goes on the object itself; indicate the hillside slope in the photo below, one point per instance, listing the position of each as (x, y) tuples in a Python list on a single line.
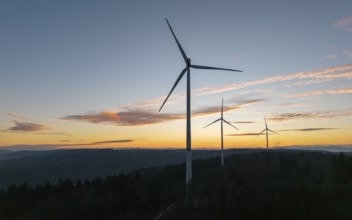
[(36, 167), (259, 185)]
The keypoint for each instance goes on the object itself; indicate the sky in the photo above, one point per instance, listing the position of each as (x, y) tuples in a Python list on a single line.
[(93, 74)]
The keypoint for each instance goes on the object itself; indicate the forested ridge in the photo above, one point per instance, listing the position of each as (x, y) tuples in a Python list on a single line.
[(37, 167), (261, 185)]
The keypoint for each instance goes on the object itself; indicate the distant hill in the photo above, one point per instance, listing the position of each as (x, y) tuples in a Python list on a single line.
[(5, 151), (272, 185), (36, 167), (332, 148), (8, 155)]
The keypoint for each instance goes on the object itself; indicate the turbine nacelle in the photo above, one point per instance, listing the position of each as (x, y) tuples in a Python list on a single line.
[(188, 61)]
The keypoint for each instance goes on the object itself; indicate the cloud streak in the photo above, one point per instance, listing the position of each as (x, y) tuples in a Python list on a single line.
[(139, 117), (128, 117), (329, 57), (309, 82), (344, 24), (244, 134), (310, 129), (315, 76), (32, 128), (310, 115), (114, 141), (320, 92), (118, 141), (25, 127), (18, 117), (328, 73), (347, 53), (285, 105), (54, 133), (243, 122), (205, 111), (143, 115), (61, 146)]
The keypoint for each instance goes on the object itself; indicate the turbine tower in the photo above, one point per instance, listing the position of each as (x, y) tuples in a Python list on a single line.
[(222, 120), (267, 130), (188, 130)]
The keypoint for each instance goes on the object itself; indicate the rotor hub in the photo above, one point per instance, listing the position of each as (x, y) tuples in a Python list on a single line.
[(188, 61)]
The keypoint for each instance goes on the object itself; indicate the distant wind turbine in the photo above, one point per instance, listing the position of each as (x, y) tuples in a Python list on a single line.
[(188, 130), (221, 119), (267, 130)]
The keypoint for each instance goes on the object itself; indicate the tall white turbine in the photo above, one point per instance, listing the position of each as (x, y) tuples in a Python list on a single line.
[(267, 130), (221, 119), (188, 130)]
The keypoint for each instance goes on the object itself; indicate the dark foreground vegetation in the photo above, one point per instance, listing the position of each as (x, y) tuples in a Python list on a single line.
[(273, 185)]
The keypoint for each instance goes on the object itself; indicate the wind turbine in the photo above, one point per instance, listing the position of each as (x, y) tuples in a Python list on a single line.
[(267, 130), (222, 120), (188, 130)]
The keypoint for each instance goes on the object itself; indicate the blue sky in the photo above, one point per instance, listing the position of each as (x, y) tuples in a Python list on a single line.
[(69, 58)]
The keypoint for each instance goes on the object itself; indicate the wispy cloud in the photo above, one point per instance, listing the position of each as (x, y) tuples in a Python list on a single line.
[(320, 92), (114, 141), (344, 23), (21, 125), (205, 111), (347, 53), (310, 115), (128, 117), (329, 57), (328, 73), (65, 141), (244, 134), (329, 47), (245, 102), (138, 117), (157, 101), (66, 145), (117, 141), (54, 133), (332, 73), (243, 122), (309, 82), (146, 115), (310, 129), (25, 127), (18, 117), (285, 105), (257, 91)]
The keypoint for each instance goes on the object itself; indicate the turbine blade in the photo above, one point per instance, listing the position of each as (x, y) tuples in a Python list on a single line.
[(230, 124), (213, 122), (260, 133), (272, 131), (178, 43), (213, 68), (178, 80)]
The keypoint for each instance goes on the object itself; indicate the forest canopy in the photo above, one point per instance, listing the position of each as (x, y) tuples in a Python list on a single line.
[(261, 185)]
